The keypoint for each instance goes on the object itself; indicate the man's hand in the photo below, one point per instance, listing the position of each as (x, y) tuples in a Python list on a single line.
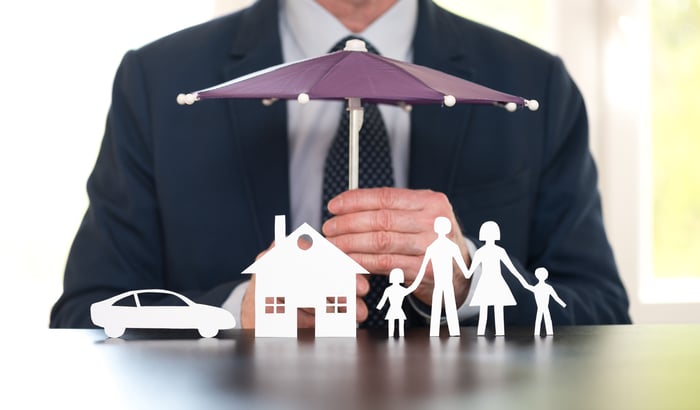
[(386, 228), (305, 317)]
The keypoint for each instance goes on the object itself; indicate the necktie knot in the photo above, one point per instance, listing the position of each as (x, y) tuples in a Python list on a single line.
[(340, 45)]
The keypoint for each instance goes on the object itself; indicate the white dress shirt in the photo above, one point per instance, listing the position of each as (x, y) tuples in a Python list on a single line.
[(309, 30)]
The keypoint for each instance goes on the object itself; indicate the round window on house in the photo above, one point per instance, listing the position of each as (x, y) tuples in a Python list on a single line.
[(304, 242)]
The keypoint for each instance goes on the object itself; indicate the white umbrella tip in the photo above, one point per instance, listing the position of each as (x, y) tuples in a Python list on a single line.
[(186, 99), (533, 105), (355, 45), (303, 98), (450, 100), (511, 107)]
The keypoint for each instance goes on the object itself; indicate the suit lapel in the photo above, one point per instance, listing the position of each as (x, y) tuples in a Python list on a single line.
[(437, 132), (260, 132)]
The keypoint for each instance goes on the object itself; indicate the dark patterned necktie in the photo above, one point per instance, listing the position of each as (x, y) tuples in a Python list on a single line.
[(375, 170)]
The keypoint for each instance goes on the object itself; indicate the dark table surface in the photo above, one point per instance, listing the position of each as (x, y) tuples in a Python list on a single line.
[(587, 367)]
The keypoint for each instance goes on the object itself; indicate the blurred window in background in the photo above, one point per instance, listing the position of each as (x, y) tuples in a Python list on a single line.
[(675, 71)]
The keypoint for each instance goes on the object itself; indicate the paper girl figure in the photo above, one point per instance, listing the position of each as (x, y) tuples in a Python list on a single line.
[(542, 292), (395, 294), (492, 289), (442, 254)]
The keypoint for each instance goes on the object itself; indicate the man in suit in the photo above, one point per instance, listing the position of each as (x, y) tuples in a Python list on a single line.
[(184, 197)]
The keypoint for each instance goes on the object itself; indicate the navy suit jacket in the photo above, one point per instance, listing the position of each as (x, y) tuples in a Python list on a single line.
[(184, 197)]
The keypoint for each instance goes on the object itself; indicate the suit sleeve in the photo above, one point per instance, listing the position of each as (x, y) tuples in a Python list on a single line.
[(567, 235), (119, 245)]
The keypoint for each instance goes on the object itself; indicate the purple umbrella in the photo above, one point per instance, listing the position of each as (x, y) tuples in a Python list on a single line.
[(356, 75)]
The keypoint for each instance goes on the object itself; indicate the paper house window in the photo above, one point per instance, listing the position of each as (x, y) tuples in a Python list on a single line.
[(274, 304), (336, 304)]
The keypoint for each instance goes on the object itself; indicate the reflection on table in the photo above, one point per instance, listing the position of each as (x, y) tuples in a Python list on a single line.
[(596, 367)]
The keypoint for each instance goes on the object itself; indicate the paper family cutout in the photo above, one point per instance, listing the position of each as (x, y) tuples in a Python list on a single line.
[(490, 290), (127, 311), (305, 271)]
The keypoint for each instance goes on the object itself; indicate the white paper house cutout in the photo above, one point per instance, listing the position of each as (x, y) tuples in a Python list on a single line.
[(304, 270)]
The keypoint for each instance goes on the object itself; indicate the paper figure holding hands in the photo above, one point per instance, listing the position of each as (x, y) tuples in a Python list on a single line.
[(395, 293), (542, 293), (492, 289), (441, 253)]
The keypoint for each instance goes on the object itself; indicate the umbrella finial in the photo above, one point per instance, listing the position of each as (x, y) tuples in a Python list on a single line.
[(355, 44), (303, 98), (188, 99), (533, 105)]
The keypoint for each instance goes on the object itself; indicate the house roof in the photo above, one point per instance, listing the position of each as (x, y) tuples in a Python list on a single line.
[(322, 257)]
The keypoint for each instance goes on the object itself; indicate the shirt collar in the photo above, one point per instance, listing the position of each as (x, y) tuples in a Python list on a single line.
[(315, 30)]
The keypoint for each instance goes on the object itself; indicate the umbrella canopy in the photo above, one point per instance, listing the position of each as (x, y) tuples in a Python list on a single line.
[(351, 74), (355, 75)]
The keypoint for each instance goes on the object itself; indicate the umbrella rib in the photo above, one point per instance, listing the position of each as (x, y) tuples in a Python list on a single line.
[(330, 71), (405, 67), (256, 74), (380, 59)]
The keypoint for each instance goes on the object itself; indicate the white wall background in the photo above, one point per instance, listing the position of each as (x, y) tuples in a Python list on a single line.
[(59, 61)]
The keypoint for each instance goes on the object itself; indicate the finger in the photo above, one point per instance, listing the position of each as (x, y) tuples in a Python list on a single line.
[(381, 242), (378, 220), (361, 310), (362, 286), (248, 306), (383, 263), (305, 319), (356, 200), (261, 254), (410, 265)]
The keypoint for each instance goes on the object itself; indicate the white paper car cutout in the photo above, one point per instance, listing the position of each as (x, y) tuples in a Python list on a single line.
[(125, 310)]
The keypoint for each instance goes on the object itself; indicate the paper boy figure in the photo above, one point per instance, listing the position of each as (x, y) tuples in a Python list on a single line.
[(395, 294), (542, 293)]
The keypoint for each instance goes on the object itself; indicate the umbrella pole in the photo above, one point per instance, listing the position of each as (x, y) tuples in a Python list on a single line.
[(356, 117)]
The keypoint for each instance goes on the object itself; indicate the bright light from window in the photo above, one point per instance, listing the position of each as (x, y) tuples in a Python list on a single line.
[(676, 137), (59, 61), (527, 20)]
